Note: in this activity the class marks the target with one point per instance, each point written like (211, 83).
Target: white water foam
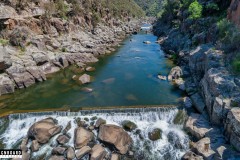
(172, 146)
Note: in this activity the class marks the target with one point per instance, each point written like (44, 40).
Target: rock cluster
(86, 142)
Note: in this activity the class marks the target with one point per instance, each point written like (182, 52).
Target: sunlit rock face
(234, 12)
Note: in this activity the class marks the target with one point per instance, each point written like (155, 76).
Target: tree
(195, 10)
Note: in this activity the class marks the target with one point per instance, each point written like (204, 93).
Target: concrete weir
(94, 110)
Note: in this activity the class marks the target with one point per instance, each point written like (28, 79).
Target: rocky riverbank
(32, 46)
(213, 90)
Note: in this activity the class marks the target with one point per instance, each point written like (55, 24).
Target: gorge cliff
(205, 45)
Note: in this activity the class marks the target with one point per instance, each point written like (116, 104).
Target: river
(125, 78)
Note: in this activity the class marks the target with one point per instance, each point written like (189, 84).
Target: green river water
(125, 78)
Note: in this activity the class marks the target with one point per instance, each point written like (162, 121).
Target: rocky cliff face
(234, 12)
(38, 43)
(211, 86)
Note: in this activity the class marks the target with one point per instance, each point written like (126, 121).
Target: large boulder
(35, 146)
(44, 130)
(226, 152)
(115, 156)
(83, 151)
(70, 153)
(26, 155)
(6, 84)
(23, 145)
(7, 12)
(218, 88)
(67, 128)
(59, 150)
(55, 157)
(85, 79)
(232, 127)
(191, 156)
(155, 134)
(98, 152)
(22, 78)
(203, 148)
(128, 125)
(37, 73)
(187, 102)
(175, 73)
(82, 137)
(83, 57)
(40, 58)
(116, 136)
(202, 59)
(197, 125)
(99, 122)
(49, 68)
(63, 139)
(198, 102)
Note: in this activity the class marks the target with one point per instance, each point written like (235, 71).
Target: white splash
(173, 145)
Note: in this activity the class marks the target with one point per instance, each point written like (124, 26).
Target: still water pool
(125, 78)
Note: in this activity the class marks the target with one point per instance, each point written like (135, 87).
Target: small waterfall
(172, 146)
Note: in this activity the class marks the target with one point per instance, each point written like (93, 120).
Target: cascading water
(172, 145)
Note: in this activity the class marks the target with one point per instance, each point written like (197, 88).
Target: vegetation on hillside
(195, 10)
(206, 22)
(152, 7)
(98, 8)
(117, 7)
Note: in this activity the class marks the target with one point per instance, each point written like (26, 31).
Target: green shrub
(76, 7)
(64, 49)
(195, 10)
(62, 8)
(3, 41)
(118, 8)
(229, 35)
(212, 6)
(95, 19)
(223, 26)
(236, 65)
(171, 10)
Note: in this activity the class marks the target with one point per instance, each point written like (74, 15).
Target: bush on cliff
(118, 8)
(212, 6)
(236, 65)
(61, 8)
(229, 35)
(152, 7)
(195, 10)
